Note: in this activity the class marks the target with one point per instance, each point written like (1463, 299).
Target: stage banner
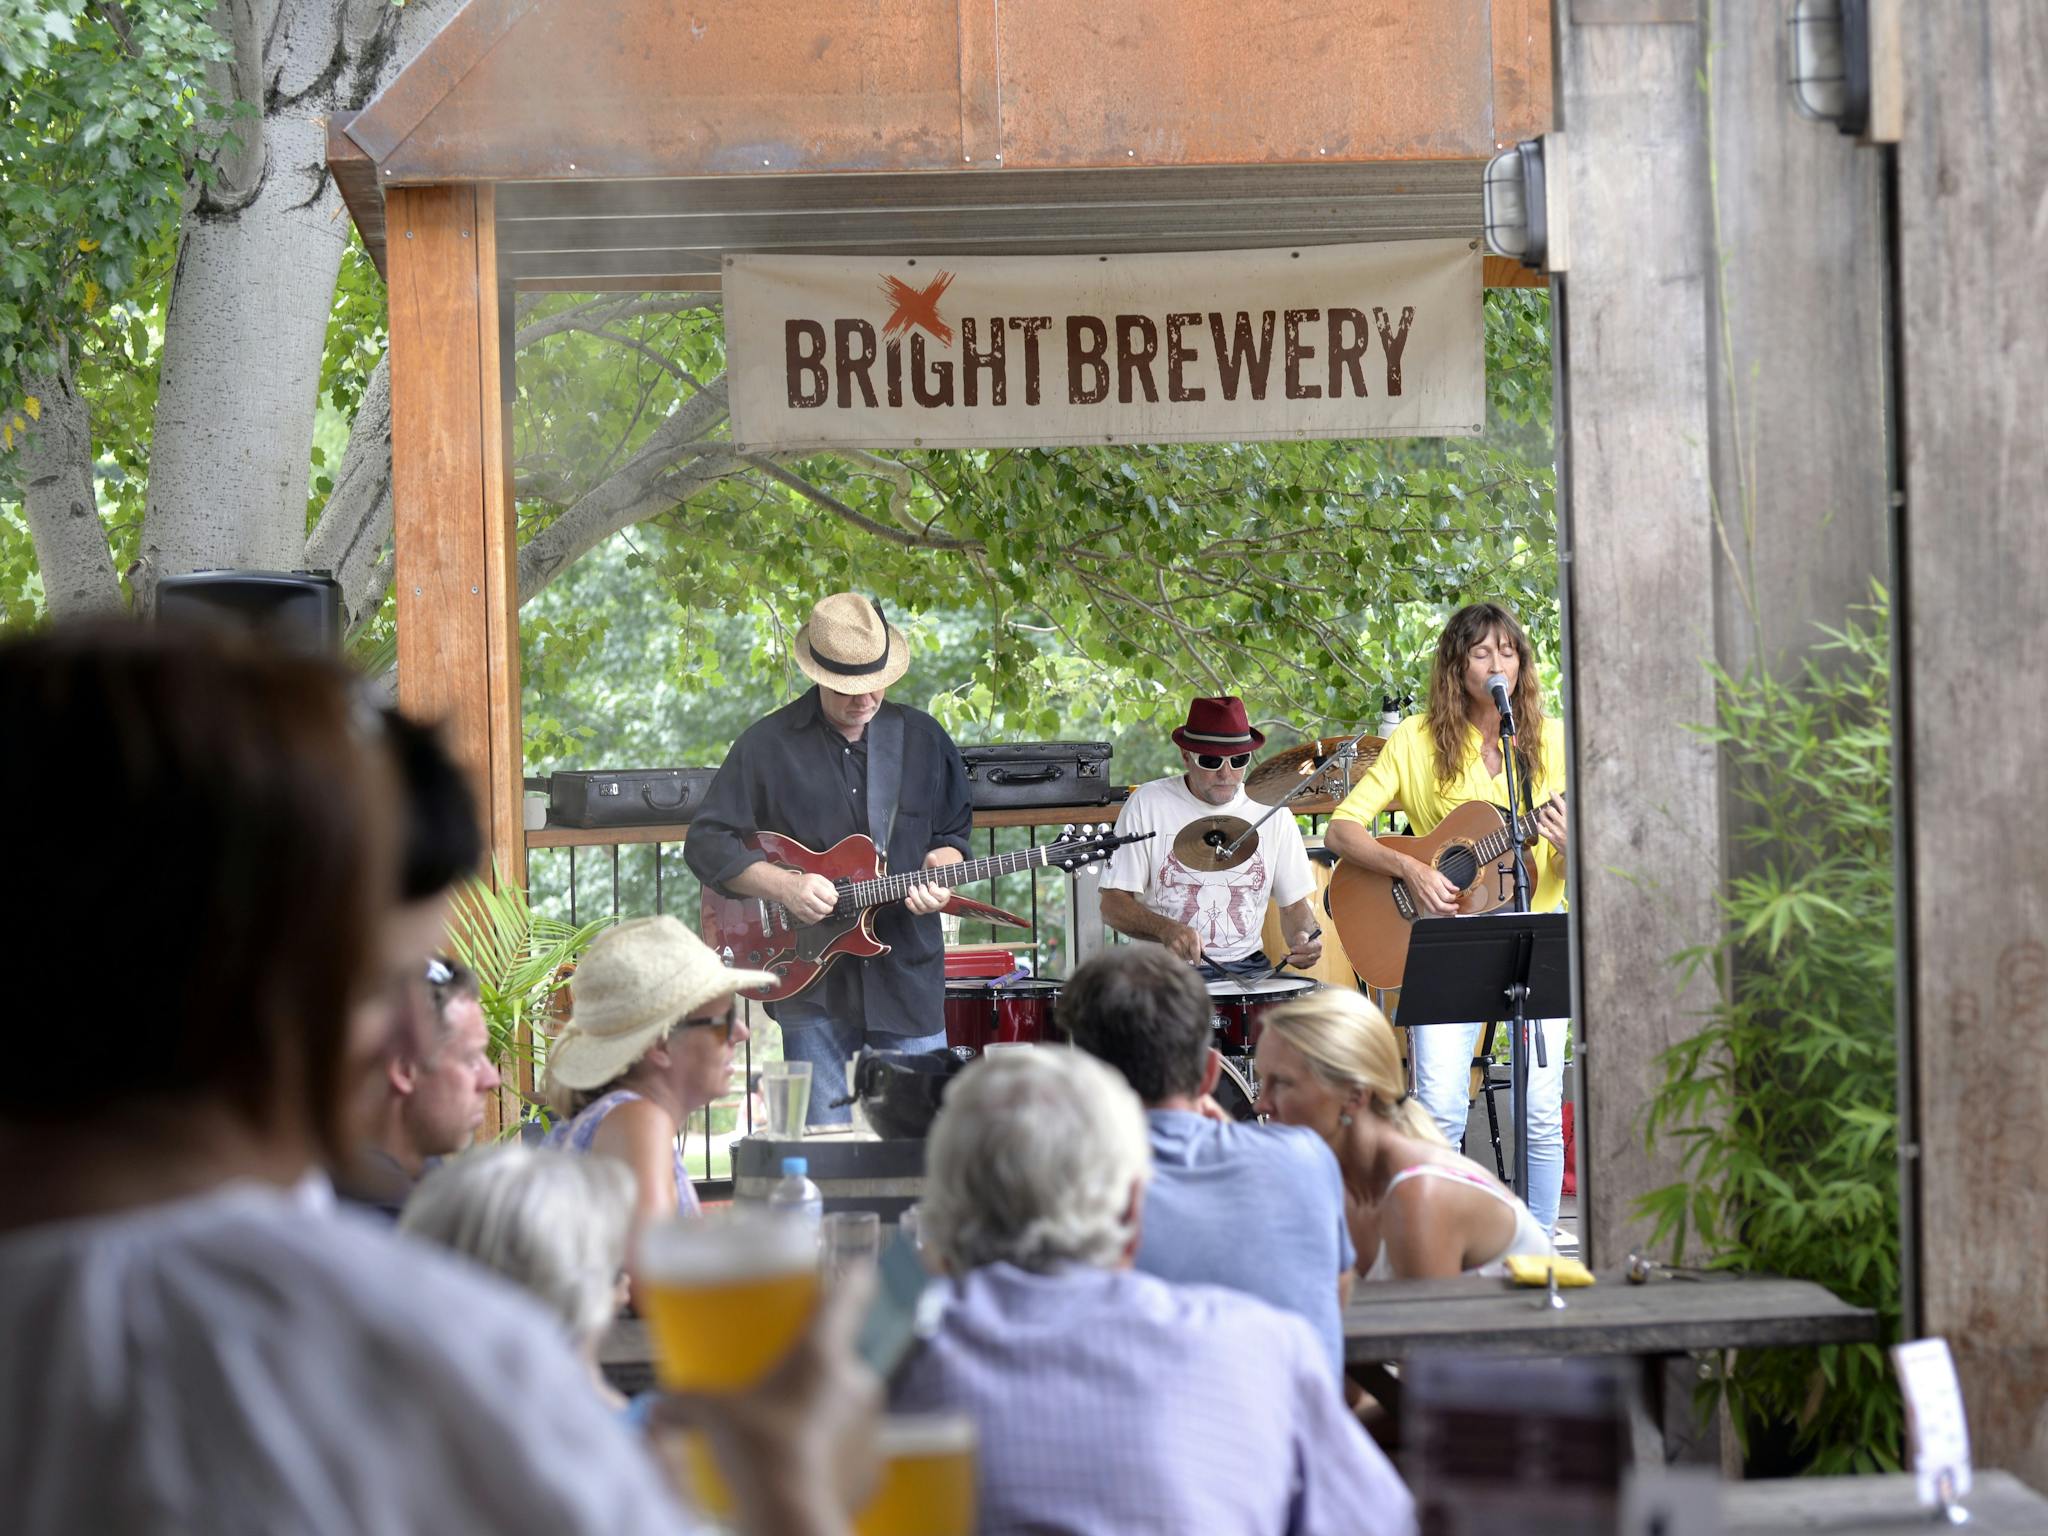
(1326, 341)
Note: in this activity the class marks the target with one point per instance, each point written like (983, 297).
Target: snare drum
(1236, 1003)
(982, 1013)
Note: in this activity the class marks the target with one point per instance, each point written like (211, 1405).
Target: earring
(1344, 1118)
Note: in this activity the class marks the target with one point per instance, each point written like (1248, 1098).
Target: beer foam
(926, 1434)
(703, 1250)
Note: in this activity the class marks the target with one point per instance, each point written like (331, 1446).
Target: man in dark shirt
(803, 772)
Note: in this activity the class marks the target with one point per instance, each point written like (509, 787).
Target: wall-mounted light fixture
(1846, 67)
(1523, 204)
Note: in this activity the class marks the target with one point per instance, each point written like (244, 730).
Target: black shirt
(795, 774)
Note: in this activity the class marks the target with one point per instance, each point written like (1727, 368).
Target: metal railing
(577, 873)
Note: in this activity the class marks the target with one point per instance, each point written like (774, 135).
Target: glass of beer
(927, 1485)
(725, 1297)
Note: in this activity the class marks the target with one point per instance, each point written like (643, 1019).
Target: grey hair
(1032, 1161)
(554, 1223)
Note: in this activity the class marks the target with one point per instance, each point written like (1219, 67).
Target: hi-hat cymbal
(1284, 773)
(1201, 843)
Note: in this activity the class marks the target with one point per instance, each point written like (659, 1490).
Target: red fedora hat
(1218, 725)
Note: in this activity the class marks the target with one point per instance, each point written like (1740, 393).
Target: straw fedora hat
(631, 987)
(849, 647)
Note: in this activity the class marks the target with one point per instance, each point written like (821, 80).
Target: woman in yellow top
(1433, 763)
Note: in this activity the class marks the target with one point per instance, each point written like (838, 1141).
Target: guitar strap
(885, 774)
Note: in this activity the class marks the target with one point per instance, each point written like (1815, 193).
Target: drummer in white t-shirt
(1213, 919)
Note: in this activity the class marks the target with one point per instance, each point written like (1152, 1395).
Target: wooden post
(456, 560)
(1635, 522)
(1972, 184)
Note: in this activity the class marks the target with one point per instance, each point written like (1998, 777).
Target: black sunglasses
(724, 1022)
(1212, 762)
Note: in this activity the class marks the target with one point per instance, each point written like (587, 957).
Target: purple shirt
(576, 1135)
(1110, 1403)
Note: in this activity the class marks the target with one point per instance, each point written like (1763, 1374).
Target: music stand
(1462, 969)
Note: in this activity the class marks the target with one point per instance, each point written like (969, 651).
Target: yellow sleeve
(1379, 787)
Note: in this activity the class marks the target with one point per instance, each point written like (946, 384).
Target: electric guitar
(1373, 912)
(761, 935)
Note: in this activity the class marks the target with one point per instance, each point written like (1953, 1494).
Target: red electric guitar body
(760, 935)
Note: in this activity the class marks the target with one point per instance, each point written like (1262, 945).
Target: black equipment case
(627, 797)
(1040, 773)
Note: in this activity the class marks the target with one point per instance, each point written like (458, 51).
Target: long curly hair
(1447, 719)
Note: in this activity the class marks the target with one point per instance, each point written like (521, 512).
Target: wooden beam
(1972, 181)
(458, 635)
(1636, 520)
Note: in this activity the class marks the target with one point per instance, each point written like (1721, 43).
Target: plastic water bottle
(795, 1195)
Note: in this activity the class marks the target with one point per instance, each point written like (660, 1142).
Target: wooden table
(626, 1356)
(1999, 1505)
(1669, 1317)
(1399, 1319)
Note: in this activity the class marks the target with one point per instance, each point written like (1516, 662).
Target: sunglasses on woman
(1212, 762)
(724, 1022)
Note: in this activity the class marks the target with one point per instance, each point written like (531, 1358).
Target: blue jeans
(809, 1033)
(1443, 1082)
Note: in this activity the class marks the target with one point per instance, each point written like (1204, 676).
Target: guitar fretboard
(858, 895)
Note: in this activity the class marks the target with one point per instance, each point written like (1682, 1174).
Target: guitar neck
(857, 895)
(887, 888)
(1495, 844)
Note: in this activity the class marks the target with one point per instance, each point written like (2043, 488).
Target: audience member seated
(192, 1343)
(1109, 1401)
(1329, 1061)
(428, 1100)
(1257, 1208)
(553, 1224)
(653, 1020)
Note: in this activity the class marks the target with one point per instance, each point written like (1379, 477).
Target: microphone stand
(1519, 1033)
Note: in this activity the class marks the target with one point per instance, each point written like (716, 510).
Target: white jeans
(1443, 1082)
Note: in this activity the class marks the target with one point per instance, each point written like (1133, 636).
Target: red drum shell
(981, 1013)
(1024, 1011)
(1236, 1007)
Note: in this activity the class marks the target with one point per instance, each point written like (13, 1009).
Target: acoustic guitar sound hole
(1458, 866)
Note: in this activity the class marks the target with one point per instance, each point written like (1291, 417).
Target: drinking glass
(786, 1090)
(724, 1296)
(850, 1239)
(927, 1485)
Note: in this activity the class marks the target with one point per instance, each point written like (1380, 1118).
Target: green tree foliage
(104, 122)
(1785, 1103)
(1091, 586)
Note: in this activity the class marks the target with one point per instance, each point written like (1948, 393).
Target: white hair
(552, 1222)
(1032, 1162)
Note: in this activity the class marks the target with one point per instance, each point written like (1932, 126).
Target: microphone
(1498, 687)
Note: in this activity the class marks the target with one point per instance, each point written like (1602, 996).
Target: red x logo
(916, 306)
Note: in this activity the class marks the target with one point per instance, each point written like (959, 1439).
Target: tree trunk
(257, 261)
(355, 525)
(63, 513)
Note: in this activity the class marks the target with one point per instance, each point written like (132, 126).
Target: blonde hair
(1348, 1043)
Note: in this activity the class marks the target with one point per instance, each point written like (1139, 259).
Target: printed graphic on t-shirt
(1224, 908)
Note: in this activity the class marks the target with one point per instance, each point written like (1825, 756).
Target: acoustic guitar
(1373, 912)
(760, 935)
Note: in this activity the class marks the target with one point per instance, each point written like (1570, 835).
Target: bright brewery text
(1306, 354)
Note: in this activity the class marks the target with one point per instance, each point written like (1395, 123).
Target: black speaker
(299, 610)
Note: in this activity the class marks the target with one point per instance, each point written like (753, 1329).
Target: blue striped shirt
(1110, 1403)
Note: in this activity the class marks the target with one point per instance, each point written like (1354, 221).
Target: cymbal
(1285, 772)
(1200, 843)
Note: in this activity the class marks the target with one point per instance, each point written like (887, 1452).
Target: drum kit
(1021, 1010)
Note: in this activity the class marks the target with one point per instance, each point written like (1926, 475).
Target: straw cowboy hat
(1218, 725)
(849, 647)
(631, 988)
